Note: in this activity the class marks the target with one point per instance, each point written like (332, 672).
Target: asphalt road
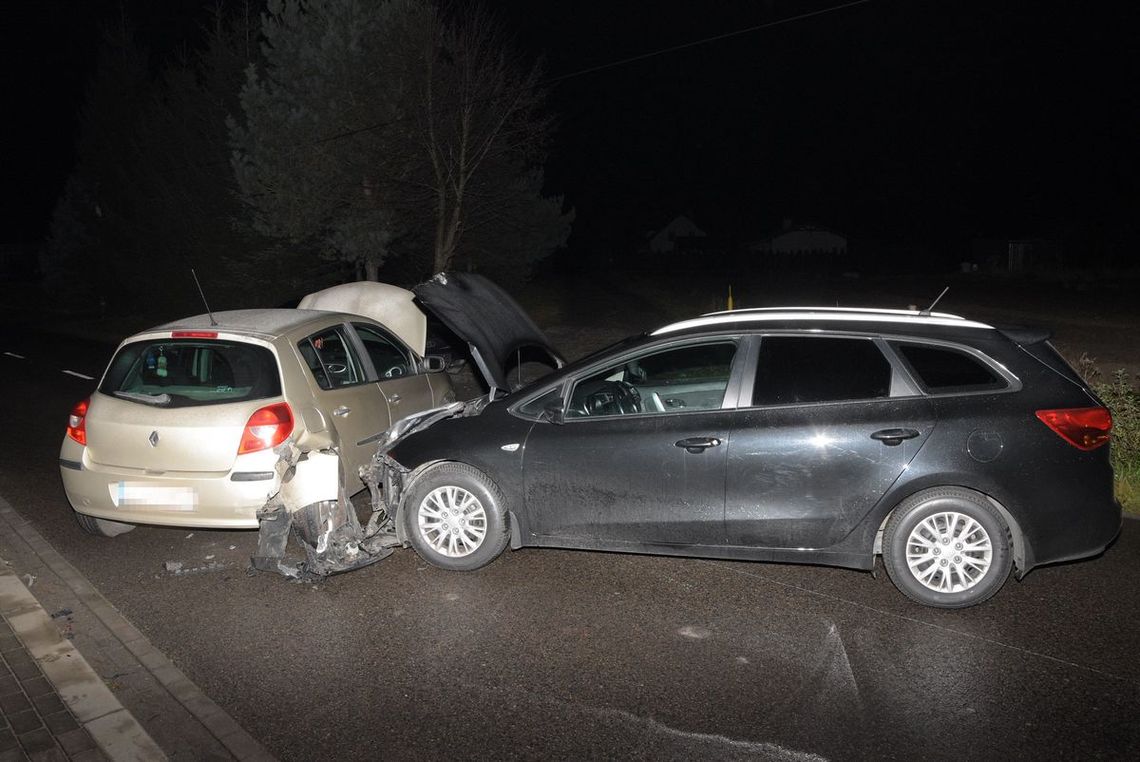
(571, 654)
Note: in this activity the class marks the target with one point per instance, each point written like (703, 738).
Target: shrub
(1121, 397)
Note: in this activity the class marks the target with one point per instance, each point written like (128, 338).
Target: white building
(801, 242)
(681, 229)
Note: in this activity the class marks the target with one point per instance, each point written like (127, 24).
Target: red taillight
(268, 427)
(194, 334)
(77, 422)
(1085, 428)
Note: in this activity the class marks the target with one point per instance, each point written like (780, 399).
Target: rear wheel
(102, 527)
(454, 517)
(947, 547)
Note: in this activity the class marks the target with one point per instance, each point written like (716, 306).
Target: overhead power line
(702, 41)
(623, 62)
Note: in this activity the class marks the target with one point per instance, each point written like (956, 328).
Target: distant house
(799, 247)
(681, 234)
(1014, 255)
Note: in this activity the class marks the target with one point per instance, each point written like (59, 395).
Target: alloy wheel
(452, 521)
(949, 552)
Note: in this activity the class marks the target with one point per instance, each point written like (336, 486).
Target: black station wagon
(956, 450)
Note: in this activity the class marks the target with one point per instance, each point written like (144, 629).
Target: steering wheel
(613, 398)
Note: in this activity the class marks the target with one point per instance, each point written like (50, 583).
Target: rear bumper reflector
(74, 465)
(251, 476)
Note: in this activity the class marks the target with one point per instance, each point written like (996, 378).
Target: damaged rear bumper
(312, 506)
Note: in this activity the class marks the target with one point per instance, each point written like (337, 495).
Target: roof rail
(861, 310)
(820, 314)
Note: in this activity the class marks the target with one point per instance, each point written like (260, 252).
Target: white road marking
(693, 633)
(13, 354)
(79, 375)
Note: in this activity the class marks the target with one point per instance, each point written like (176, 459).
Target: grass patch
(1121, 397)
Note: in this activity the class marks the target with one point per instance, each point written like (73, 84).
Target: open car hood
(389, 305)
(497, 330)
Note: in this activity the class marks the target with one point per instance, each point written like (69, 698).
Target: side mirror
(434, 363)
(552, 413)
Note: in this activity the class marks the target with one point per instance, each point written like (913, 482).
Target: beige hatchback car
(183, 428)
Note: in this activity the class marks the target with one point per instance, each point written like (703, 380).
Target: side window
(942, 370)
(536, 407)
(331, 358)
(672, 380)
(388, 358)
(805, 369)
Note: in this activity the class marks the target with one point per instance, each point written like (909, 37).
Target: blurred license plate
(128, 494)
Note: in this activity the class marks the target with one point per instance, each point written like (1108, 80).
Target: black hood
(488, 319)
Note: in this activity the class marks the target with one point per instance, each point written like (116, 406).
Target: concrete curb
(213, 718)
(112, 727)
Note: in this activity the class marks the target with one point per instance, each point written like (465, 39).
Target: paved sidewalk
(74, 684)
(55, 706)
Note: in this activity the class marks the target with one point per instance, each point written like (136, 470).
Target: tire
(101, 527)
(947, 547)
(465, 494)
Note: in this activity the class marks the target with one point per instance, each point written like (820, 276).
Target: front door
(640, 457)
(405, 388)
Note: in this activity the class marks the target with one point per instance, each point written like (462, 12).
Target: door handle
(697, 445)
(394, 399)
(894, 437)
(342, 411)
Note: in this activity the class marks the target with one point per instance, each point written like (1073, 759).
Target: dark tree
(152, 194)
(375, 131)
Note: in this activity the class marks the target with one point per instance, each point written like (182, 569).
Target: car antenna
(203, 295)
(926, 311)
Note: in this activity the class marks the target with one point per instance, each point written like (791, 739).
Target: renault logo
(153, 439)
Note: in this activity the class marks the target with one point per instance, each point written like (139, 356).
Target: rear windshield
(187, 372)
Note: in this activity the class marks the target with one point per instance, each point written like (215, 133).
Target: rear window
(942, 370)
(184, 373)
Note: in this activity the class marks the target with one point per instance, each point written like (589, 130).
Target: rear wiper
(148, 399)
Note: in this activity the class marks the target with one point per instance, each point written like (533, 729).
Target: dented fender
(312, 477)
(313, 506)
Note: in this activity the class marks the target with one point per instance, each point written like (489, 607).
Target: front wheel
(454, 517)
(947, 547)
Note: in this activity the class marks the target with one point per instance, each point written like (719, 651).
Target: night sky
(890, 120)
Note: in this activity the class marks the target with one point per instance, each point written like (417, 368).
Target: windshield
(183, 373)
(561, 373)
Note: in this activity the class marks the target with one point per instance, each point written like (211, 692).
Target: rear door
(347, 394)
(831, 425)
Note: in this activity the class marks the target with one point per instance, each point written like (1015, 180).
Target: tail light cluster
(268, 427)
(1085, 428)
(77, 422)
